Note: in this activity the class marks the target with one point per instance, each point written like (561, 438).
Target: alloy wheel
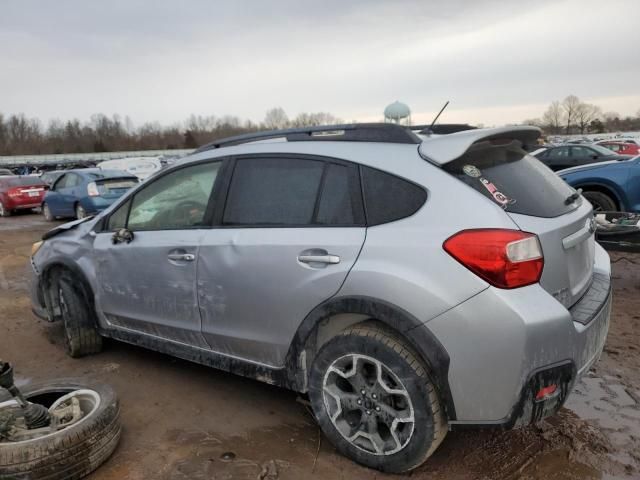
(368, 404)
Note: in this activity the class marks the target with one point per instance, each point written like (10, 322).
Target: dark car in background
(4, 172)
(20, 193)
(51, 176)
(87, 191)
(568, 156)
(609, 186)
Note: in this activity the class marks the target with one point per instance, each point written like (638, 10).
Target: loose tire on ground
(71, 453)
(371, 340)
(80, 325)
(601, 201)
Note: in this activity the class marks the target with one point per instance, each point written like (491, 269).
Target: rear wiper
(573, 197)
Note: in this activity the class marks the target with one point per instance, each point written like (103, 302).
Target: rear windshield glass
(23, 181)
(507, 175)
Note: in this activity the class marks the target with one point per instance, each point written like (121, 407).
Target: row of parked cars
(609, 179)
(76, 192)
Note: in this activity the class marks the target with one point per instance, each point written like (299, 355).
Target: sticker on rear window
(472, 171)
(497, 195)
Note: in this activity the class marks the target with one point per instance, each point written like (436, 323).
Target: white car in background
(141, 167)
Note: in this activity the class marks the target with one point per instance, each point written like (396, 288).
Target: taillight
(92, 190)
(15, 192)
(504, 258)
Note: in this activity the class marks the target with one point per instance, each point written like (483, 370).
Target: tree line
(573, 116)
(21, 135)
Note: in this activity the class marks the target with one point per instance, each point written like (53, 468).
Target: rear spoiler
(123, 177)
(444, 149)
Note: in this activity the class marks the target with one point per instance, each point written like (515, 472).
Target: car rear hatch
(539, 202)
(115, 187)
(24, 191)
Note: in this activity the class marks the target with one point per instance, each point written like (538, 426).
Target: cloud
(162, 60)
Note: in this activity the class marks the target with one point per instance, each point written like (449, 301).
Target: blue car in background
(86, 191)
(609, 186)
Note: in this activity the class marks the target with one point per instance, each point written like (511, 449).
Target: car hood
(66, 227)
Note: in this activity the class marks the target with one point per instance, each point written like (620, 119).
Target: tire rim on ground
(368, 404)
(83, 402)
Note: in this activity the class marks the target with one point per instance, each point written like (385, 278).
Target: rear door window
(388, 198)
(290, 192)
(273, 191)
(516, 181)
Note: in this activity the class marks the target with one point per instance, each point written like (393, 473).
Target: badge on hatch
(472, 171)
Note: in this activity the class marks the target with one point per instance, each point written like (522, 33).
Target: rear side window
(388, 198)
(518, 182)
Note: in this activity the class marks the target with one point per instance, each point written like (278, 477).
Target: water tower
(397, 112)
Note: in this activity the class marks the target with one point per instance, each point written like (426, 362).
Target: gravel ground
(184, 421)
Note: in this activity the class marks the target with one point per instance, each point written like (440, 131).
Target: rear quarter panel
(404, 263)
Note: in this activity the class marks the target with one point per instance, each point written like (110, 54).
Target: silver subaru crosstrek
(410, 282)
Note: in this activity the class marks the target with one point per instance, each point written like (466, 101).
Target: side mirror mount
(595, 157)
(122, 235)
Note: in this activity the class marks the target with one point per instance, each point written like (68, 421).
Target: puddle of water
(614, 408)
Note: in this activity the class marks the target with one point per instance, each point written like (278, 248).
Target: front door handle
(181, 257)
(330, 259)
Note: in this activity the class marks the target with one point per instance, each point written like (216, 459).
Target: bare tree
(570, 105)
(553, 117)
(585, 113)
(276, 119)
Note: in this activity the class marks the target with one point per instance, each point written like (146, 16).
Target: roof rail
(442, 128)
(353, 132)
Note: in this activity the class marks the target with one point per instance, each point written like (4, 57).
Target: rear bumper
(505, 345)
(94, 205)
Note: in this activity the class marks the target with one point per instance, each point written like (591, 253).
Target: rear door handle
(181, 257)
(330, 259)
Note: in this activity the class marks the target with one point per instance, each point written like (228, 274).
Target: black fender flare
(413, 330)
(75, 270)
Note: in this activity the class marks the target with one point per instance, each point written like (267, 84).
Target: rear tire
(46, 212)
(80, 212)
(3, 211)
(601, 201)
(80, 323)
(71, 453)
(398, 422)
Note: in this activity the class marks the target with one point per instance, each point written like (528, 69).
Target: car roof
(438, 149)
(100, 173)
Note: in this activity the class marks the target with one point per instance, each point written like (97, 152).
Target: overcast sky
(156, 60)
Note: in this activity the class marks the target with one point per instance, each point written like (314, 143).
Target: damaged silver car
(410, 282)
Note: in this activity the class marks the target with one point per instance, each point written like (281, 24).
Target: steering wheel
(188, 212)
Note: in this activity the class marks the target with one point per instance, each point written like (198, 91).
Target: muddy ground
(184, 421)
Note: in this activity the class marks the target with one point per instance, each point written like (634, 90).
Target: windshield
(602, 150)
(24, 181)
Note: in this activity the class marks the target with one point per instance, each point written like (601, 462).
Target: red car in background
(20, 193)
(623, 148)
